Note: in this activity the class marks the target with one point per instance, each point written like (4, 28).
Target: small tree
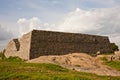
(114, 47)
(2, 56)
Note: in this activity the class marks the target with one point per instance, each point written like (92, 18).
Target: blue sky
(64, 15)
(46, 9)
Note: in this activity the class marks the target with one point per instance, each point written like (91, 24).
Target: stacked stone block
(41, 43)
(59, 43)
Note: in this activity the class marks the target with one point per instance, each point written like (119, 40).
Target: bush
(2, 56)
(114, 47)
(14, 59)
(10, 59)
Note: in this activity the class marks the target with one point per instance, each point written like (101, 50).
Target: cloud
(4, 34)
(100, 21)
(26, 25)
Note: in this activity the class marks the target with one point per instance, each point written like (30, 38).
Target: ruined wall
(56, 43)
(39, 43)
(11, 48)
(19, 47)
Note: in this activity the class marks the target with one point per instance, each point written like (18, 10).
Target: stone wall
(39, 43)
(19, 47)
(58, 43)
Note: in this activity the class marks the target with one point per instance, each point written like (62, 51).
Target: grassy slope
(113, 64)
(15, 69)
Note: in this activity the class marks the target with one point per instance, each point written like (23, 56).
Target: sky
(97, 17)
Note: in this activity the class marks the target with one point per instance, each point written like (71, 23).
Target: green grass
(34, 71)
(113, 64)
(14, 68)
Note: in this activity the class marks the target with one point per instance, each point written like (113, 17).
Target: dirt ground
(80, 62)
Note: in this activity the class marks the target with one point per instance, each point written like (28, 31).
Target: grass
(34, 71)
(14, 68)
(113, 64)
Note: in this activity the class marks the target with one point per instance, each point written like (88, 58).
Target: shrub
(14, 59)
(2, 56)
(114, 47)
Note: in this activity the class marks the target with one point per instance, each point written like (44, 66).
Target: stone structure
(39, 43)
(19, 47)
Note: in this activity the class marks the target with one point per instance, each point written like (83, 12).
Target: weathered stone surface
(38, 43)
(79, 62)
(19, 47)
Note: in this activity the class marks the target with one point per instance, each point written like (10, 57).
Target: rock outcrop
(80, 62)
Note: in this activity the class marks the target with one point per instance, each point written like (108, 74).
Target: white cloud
(92, 20)
(102, 21)
(26, 25)
(30, 24)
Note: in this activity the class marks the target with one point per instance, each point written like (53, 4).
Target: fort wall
(40, 43)
(59, 43)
